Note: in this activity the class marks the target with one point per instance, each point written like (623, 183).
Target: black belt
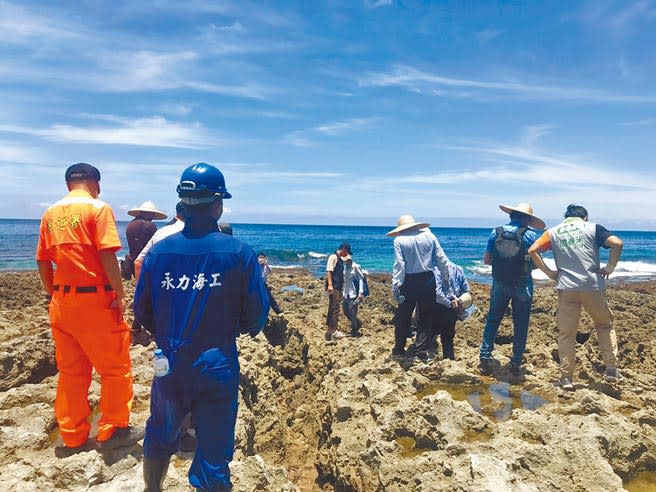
(80, 289)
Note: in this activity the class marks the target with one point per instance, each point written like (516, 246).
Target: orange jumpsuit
(87, 333)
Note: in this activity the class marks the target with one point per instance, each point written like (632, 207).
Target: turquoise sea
(308, 246)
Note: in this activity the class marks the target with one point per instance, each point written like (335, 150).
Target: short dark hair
(225, 228)
(576, 211)
(261, 253)
(82, 172)
(347, 247)
(515, 215)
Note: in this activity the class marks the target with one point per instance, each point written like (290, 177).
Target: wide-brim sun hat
(405, 223)
(526, 209)
(466, 299)
(149, 208)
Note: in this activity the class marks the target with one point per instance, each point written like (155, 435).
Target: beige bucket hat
(405, 223)
(526, 209)
(148, 207)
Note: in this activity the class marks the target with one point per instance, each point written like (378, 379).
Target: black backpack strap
(520, 231)
(500, 230)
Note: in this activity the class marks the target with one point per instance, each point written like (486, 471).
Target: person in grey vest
(580, 280)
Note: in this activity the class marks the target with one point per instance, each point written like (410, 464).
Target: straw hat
(466, 299)
(526, 209)
(150, 208)
(405, 223)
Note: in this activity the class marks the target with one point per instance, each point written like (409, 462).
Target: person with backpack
(507, 252)
(334, 286)
(353, 293)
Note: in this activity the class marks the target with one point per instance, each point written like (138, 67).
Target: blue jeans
(521, 296)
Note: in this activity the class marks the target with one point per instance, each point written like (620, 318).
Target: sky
(336, 112)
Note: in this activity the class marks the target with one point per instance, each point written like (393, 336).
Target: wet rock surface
(341, 416)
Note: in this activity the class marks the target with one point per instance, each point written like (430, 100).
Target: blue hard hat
(201, 183)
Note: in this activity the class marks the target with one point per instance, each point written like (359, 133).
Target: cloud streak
(416, 80)
(149, 132)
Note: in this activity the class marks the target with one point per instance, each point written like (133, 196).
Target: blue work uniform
(199, 289)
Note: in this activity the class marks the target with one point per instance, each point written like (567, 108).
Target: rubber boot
(154, 472)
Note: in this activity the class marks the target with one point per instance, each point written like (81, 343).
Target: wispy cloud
(523, 164)
(151, 132)
(426, 82)
(615, 18)
(340, 127)
(533, 132)
(487, 35)
(374, 4)
(18, 25)
(642, 122)
(297, 139)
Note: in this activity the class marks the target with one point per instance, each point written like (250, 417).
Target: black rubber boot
(154, 472)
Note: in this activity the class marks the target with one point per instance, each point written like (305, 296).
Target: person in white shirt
(416, 252)
(353, 293)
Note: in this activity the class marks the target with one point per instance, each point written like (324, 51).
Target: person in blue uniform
(198, 291)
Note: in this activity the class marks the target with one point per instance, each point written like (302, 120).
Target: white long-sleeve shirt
(160, 234)
(416, 251)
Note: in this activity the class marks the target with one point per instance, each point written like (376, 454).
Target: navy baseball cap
(347, 247)
(82, 172)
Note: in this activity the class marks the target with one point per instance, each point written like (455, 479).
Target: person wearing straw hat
(138, 233)
(580, 280)
(416, 253)
(450, 307)
(507, 252)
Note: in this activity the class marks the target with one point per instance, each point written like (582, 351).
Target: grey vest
(576, 253)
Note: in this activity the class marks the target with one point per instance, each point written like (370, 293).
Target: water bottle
(160, 363)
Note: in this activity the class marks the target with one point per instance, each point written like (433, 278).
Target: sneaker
(123, 437)
(613, 375)
(515, 369)
(485, 367)
(335, 335)
(566, 383)
(355, 334)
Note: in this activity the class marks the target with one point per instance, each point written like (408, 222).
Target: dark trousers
(444, 326)
(272, 302)
(332, 318)
(418, 289)
(350, 307)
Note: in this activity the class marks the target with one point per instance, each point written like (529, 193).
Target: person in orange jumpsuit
(78, 234)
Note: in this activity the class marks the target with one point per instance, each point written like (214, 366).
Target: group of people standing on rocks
(425, 282)
(199, 288)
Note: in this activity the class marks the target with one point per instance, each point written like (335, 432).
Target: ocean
(308, 246)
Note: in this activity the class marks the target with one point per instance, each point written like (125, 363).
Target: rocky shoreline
(340, 416)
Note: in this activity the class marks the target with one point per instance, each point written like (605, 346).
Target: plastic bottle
(160, 363)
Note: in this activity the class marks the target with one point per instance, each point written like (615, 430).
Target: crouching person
(198, 290)
(450, 306)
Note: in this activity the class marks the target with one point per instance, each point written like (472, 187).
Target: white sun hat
(406, 222)
(149, 208)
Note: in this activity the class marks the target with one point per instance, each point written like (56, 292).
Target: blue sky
(343, 112)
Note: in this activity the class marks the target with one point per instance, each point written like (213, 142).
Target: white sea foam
(625, 269)
(286, 267)
(312, 254)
